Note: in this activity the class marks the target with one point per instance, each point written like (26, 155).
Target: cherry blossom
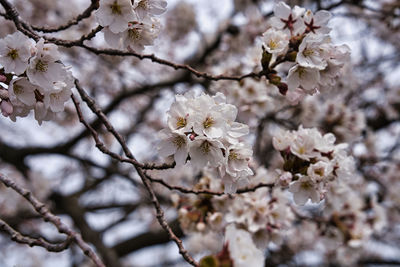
(44, 69)
(15, 51)
(212, 135)
(275, 42)
(306, 78)
(287, 18)
(146, 8)
(316, 23)
(203, 150)
(241, 248)
(310, 53)
(305, 189)
(174, 144)
(116, 14)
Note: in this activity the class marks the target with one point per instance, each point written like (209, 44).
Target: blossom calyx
(265, 59)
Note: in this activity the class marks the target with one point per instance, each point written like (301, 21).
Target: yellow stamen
(18, 89)
(233, 156)
(208, 122)
(272, 44)
(181, 122)
(41, 66)
(205, 147)
(115, 8)
(179, 141)
(13, 54)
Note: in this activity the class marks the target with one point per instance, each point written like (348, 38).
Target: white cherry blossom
(57, 99)
(316, 23)
(203, 151)
(304, 189)
(237, 157)
(180, 115)
(116, 14)
(286, 18)
(306, 78)
(15, 51)
(311, 54)
(212, 136)
(336, 57)
(275, 42)
(303, 147)
(176, 144)
(320, 170)
(210, 123)
(138, 35)
(282, 140)
(145, 8)
(242, 249)
(44, 69)
(22, 91)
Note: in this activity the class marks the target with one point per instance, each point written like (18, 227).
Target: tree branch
(146, 182)
(30, 241)
(85, 14)
(48, 216)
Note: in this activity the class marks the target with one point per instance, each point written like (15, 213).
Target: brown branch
(70, 205)
(27, 30)
(100, 145)
(378, 262)
(12, 14)
(146, 182)
(205, 191)
(48, 216)
(85, 14)
(176, 66)
(30, 241)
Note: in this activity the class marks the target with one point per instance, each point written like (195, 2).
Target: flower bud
(291, 56)
(274, 79)
(283, 88)
(265, 59)
(6, 108)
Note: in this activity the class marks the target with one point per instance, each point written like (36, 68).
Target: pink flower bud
(6, 108)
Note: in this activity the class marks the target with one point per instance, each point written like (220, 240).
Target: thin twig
(159, 212)
(100, 145)
(56, 221)
(85, 14)
(30, 241)
(205, 191)
(12, 14)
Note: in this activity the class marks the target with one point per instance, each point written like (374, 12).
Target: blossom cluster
(36, 78)
(130, 26)
(334, 116)
(311, 162)
(251, 96)
(203, 128)
(356, 215)
(259, 218)
(348, 222)
(302, 37)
